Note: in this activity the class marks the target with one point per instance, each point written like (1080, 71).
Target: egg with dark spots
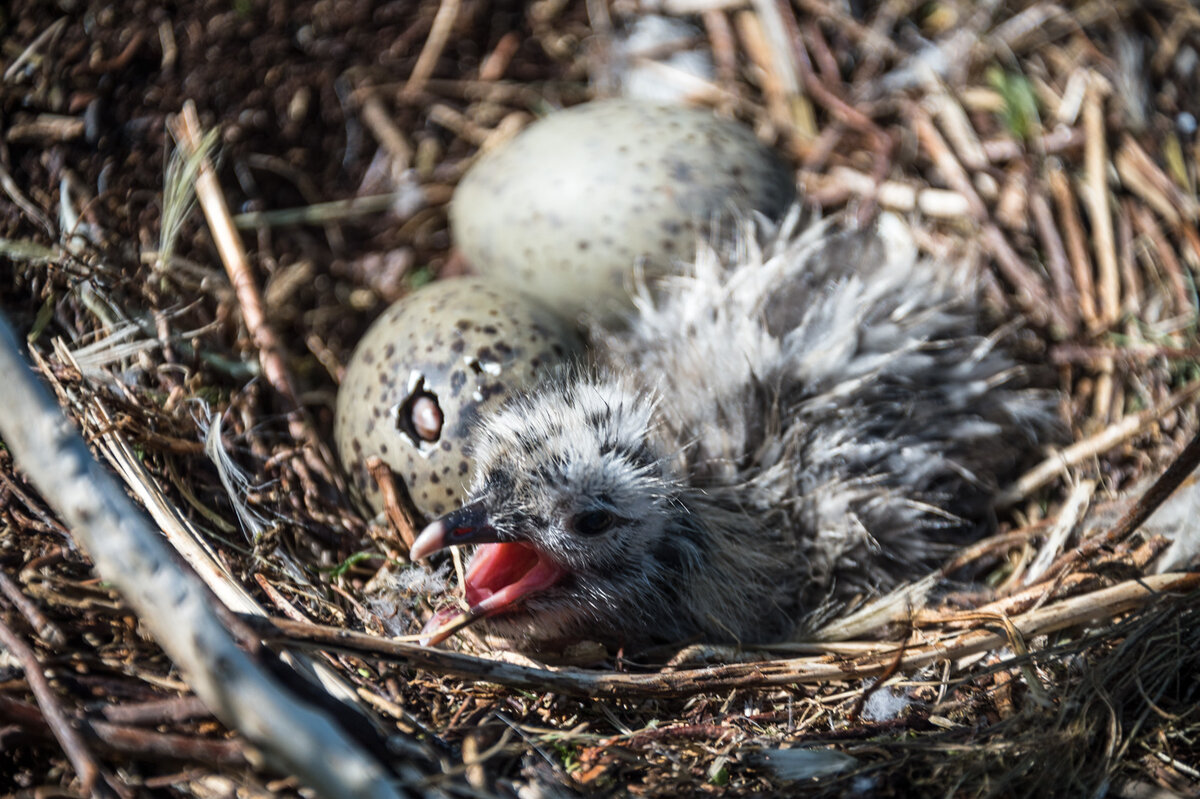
(428, 369)
(569, 208)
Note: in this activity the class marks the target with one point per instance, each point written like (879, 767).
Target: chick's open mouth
(499, 576)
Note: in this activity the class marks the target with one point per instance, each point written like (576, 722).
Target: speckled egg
(568, 208)
(427, 369)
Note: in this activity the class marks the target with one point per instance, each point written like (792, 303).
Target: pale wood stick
(1097, 196)
(271, 353)
(130, 555)
(435, 42)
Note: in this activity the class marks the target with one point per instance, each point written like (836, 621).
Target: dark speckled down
(567, 208)
(464, 345)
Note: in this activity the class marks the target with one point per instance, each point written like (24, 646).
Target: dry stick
(27, 54)
(493, 65)
(758, 48)
(271, 354)
(852, 117)
(157, 711)
(1141, 175)
(1030, 289)
(1101, 605)
(1081, 265)
(1057, 265)
(18, 197)
(1056, 141)
(1148, 227)
(172, 603)
(389, 136)
(1094, 445)
(1095, 155)
(77, 751)
(957, 128)
(133, 740)
(397, 504)
(439, 33)
(1141, 510)
(724, 50)
(47, 630)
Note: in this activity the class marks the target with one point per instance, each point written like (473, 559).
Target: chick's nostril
(426, 417)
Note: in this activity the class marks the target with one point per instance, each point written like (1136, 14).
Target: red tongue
(499, 575)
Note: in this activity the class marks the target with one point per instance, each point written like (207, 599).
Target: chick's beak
(467, 525)
(502, 572)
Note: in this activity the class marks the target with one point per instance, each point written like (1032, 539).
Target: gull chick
(768, 434)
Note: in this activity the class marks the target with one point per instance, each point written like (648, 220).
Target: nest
(200, 355)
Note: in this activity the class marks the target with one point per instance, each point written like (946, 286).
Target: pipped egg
(427, 369)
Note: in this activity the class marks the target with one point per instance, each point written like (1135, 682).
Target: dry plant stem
(1141, 510)
(1148, 227)
(849, 116)
(18, 197)
(1031, 292)
(397, 505)
(47, 630)
(1056, 259)
(1081, 265)
(1092, 446)
(390, 137)
(128, 740)
(1096, 168)
(493, 65)
(85, 765)
(1098, 606)
(159, 711)
(439, 33)
(755, 43)
(186, 128)
(173, 604)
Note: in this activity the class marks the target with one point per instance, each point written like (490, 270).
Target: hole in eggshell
(420, 416)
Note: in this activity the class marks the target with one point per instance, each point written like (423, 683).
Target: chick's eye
(592, 522)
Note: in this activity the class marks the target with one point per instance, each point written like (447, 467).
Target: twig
(18, 197)
(1094, 445)
(397, 504)
(159, 711)
(390, 137)
(1143, 177)
(321, 213)
(82, 760)
(271, 353)
(1057, 265)
(1097, 606)
(1081, 265)
(443, 21)
(47, 630)
(21, 60)
(1141, 510)
(45, 128)
(1096, 169)
(135, 741)
(493, 65)
(1147, 226)
(1029, 287)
